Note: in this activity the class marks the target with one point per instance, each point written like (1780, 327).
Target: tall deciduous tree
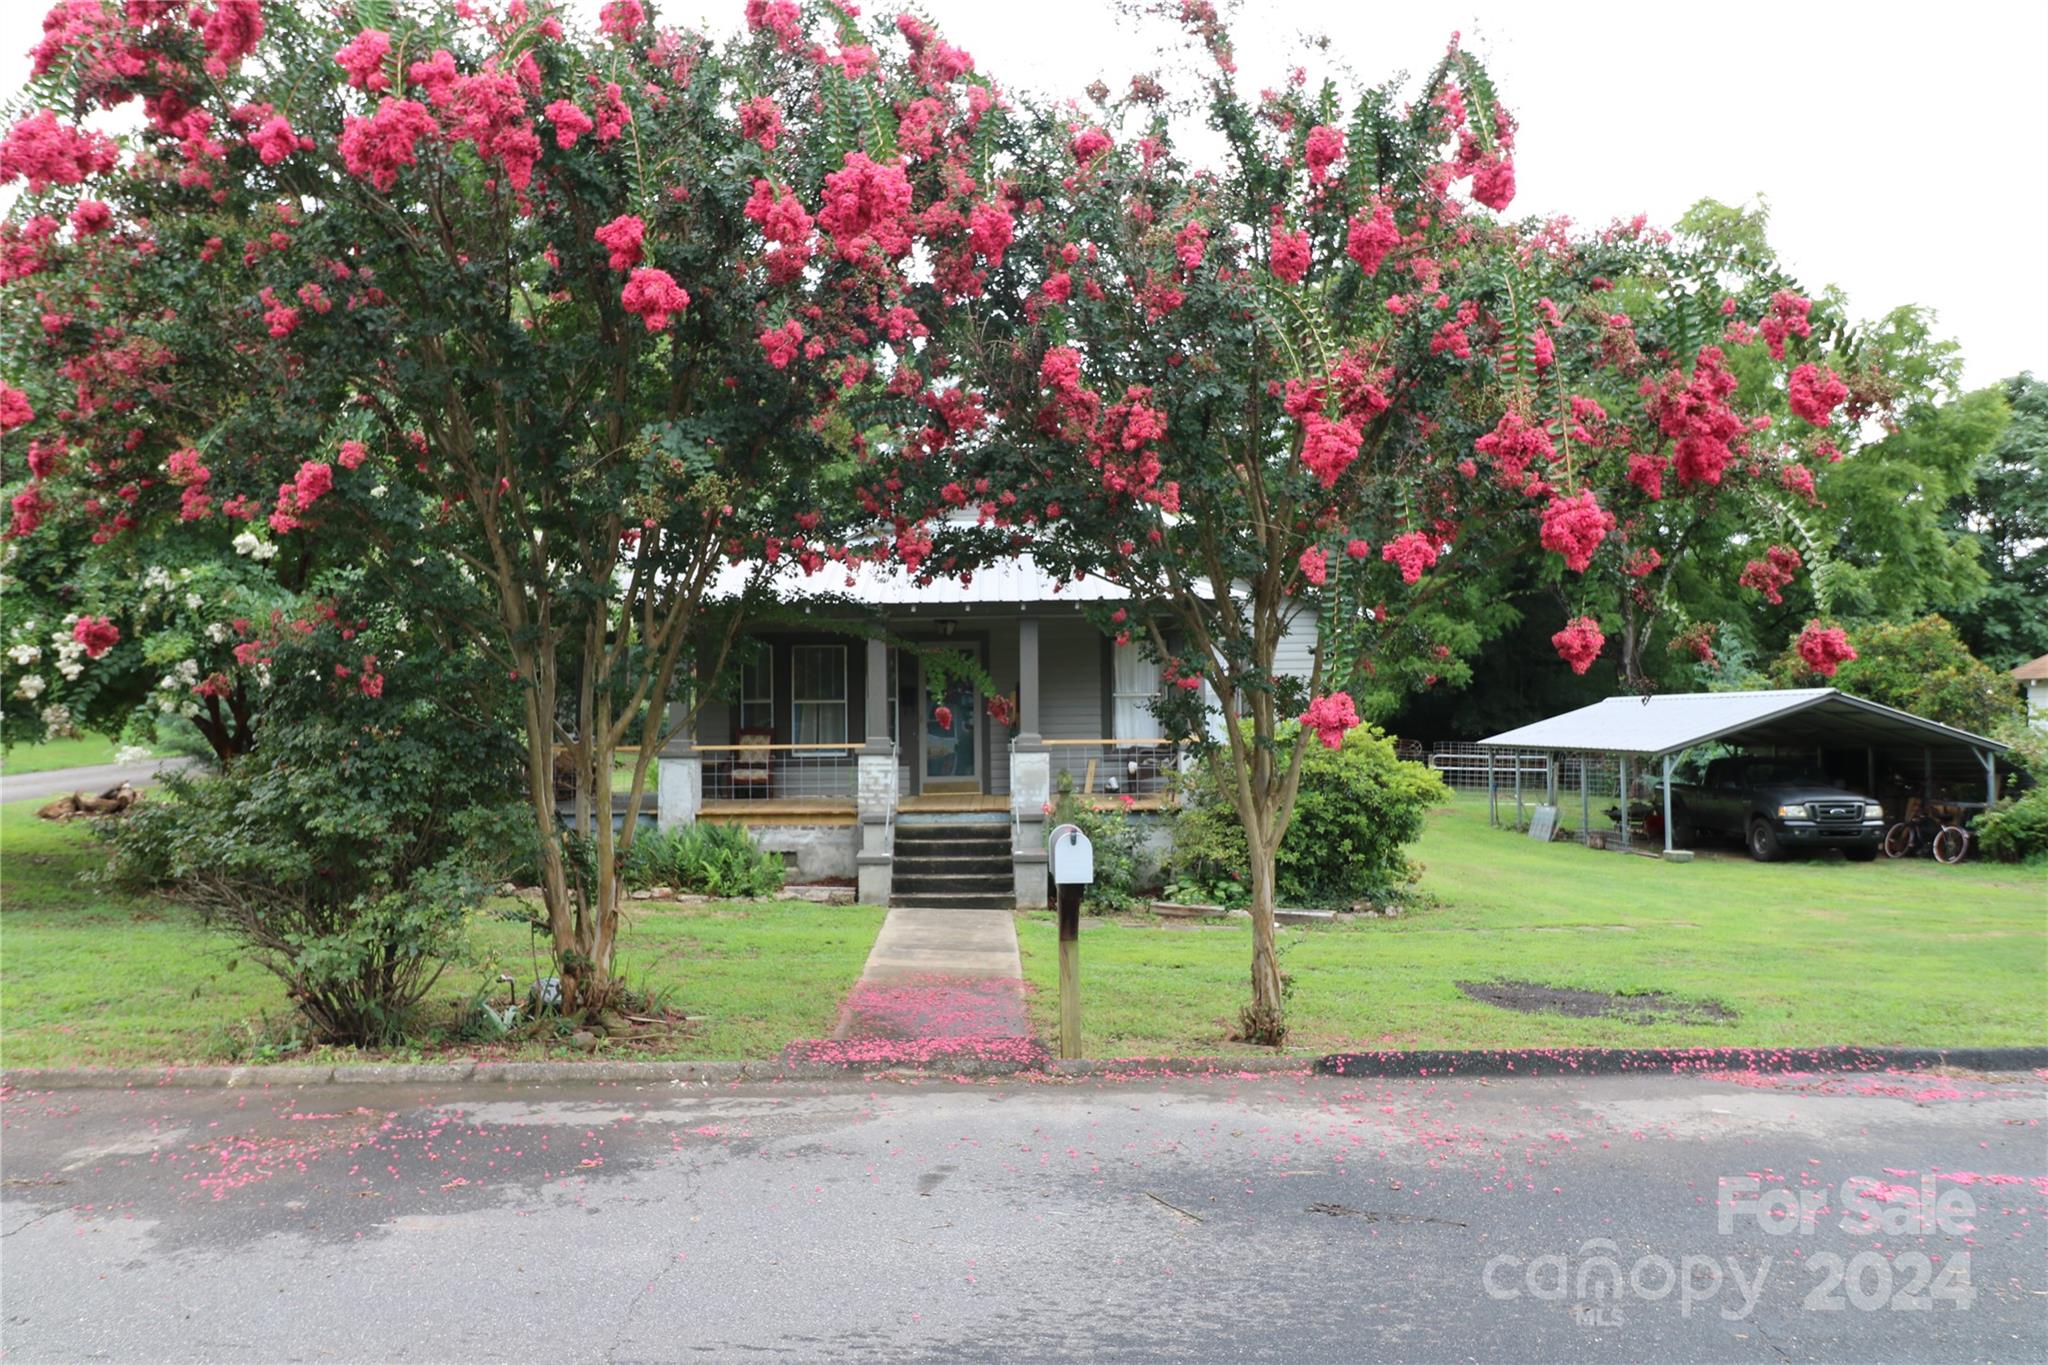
(552, 324)
(2005, 509)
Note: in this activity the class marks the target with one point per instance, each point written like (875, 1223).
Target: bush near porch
(1801, 953)
(93, 977)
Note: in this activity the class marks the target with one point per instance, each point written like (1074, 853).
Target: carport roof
(1658, 725)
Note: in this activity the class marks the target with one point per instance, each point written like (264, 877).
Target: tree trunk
(1265, 1019)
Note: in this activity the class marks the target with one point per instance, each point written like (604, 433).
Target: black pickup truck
(1775, 805)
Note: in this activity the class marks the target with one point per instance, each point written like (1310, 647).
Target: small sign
(1072, 856)
(1543, 824)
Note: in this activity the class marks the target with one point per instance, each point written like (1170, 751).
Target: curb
(671, 1073)
(1524, 1064)
(1610, 1061)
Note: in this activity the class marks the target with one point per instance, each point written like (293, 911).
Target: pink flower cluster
(1815, 393)
(1315, 565)
(782, 344)
(652, 295)
(274, 140)
(97, 634)
(786, 226)
(1574, 527)
(1579, 643)
(1493, 182)
(363, 57)
(374, 148)
(761, 121)
(44, 152)
(622, 237)
(1368, 240)
(1413, 552)
(1089, 143)
(1696, 414)
(1788, 317)
(1328, 448)
(1824, 648)
(1324, 149)
(1771, 574)
(1331, 717)
(313, 482)
(1290, 252)
(14, 408)
(230, 32)
(867, 205)
(570, 122)
(1514, 443)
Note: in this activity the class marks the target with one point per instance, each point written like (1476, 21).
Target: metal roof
(887, 585)
(1657, 725)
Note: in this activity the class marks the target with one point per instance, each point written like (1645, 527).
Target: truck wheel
(1763, 842)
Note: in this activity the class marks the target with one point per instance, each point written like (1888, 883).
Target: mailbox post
(1071, 860)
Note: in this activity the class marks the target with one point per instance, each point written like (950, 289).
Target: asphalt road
(97, 778)
(1251, 1218)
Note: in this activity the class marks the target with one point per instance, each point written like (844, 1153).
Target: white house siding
(1296, 654)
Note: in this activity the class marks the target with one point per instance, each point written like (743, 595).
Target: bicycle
(1927, 829)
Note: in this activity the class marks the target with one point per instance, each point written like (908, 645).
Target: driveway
(1285, 1218)
(97, 778)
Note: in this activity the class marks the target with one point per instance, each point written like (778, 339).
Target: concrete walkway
(95, 779)
(938, 983)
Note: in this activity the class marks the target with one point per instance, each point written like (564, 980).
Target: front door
(949, 732)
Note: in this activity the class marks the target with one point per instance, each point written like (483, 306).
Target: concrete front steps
(952, 864)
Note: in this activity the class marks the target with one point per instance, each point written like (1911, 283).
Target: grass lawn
(90, 977)
(1801, 953)
(82, 752)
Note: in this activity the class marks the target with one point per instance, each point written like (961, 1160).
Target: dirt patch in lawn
(1528, 997)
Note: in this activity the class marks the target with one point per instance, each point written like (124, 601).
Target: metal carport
(1657, 728)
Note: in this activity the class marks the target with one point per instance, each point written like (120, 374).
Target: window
(817, 693)
(1134, 685)
(757, 688)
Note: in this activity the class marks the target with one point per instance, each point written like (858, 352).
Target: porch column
(874, 792)
(1667, 805)
(1030, 776)
(679, 781)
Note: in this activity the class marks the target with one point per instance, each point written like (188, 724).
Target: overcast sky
(1899, 155)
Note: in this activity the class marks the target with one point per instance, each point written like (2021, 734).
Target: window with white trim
(1134, 686)
(817, 694)
(757, 687)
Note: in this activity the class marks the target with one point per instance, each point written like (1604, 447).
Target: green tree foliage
(1358, 808)
(1919, 666)
(2004, 508)
(347, 852)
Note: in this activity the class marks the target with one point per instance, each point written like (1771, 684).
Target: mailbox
(1071, 857)
(1070, 860)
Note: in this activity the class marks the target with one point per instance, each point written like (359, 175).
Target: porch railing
(1145, 770)
(779, 772)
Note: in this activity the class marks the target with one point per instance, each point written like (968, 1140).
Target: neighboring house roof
(2035, 670)
(887, 585)
(1654, 726)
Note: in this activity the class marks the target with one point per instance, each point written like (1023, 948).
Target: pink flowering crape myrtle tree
(1676, 407)
(546, 326)
(1242, 396)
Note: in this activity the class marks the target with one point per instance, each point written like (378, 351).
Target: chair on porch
(753, 764)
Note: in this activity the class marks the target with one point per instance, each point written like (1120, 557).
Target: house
(843, 748)
(2032, 677)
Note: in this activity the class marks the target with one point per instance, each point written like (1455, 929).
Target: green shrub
(346, 853)
(714, 860)
(1357, 808)
(2017, 830)
(1117, 843)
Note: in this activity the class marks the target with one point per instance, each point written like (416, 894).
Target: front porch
(835, 738)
